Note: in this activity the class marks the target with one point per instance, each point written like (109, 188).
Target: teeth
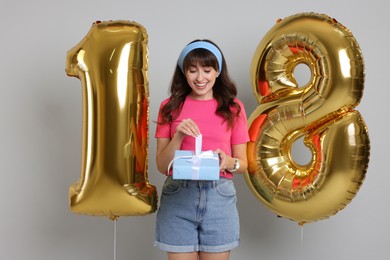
(201, 85)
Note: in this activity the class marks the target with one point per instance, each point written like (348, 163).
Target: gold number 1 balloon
(111, 62)
(322, 112)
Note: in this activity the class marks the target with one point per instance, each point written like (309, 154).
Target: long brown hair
(224, 89)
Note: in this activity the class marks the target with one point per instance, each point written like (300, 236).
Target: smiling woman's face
(201, 79)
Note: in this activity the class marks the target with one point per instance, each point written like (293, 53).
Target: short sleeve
(162, 130)
(240, 132)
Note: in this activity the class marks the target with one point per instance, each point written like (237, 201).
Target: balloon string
(302, 237)
(115, 239)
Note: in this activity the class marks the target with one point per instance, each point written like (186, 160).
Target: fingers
(188, 127)
(223, 159)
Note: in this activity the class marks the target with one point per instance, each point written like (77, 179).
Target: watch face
(236, 164)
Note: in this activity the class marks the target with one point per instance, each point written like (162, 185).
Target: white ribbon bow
(196, 159)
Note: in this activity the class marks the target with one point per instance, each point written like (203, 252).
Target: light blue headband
(200, 45)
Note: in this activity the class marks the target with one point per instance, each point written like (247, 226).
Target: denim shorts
(197, 216)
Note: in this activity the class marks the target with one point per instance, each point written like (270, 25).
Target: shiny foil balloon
(111, 63)
(322, 112)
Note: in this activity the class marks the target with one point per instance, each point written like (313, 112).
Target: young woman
(198, 219)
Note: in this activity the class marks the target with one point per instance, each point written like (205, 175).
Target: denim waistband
(201, 183)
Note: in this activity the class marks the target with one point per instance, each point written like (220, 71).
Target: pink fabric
(215, 133)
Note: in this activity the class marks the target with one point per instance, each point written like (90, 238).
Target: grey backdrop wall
(40, 132)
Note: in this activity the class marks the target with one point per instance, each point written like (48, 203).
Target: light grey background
(40, 132)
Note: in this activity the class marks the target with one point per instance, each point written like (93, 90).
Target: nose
(200, 76)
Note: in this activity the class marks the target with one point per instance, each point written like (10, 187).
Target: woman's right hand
(188, 127)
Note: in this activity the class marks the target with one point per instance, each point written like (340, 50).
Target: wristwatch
(236, 165)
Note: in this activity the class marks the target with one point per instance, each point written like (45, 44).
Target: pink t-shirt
(214, 130)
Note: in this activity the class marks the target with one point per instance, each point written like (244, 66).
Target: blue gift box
(188, 166)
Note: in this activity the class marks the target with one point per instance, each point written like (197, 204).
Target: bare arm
(166, 147)
(165, 151)
(239, 152)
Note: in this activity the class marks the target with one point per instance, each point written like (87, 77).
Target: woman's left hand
(224, 159)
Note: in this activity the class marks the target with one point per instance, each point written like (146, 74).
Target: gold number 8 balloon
(111, 62)
(322, 112)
